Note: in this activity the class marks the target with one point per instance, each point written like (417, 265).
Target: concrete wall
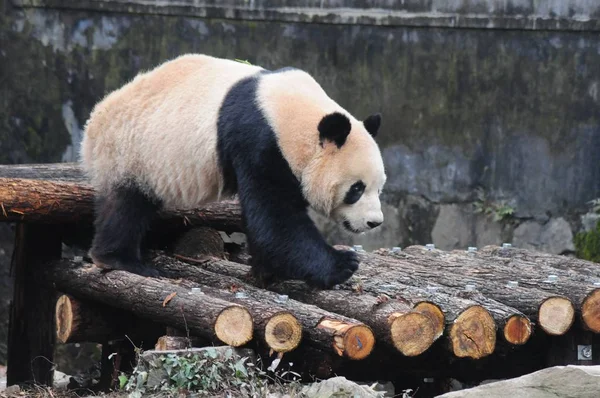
(489, 104)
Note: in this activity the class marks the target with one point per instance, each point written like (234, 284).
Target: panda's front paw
(344, 264)
(346, 260)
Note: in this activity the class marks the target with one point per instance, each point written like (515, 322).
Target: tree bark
(441, 303)
(578, 279)
(575, 268)
(158, 300)
(276, 326)
(79, 321)
(65, 172)
(555, 314)
(348, 337)
(383, 306)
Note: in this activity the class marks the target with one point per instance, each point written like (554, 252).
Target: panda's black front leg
(285, 243)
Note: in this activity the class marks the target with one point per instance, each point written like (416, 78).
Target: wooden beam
(60, 202)
(31, 333)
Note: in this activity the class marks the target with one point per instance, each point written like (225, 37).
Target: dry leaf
(169, 298)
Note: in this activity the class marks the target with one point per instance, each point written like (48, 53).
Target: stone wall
(489, 135)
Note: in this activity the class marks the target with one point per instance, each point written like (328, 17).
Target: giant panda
(198, 129)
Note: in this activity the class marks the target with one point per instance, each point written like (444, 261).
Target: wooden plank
(31, 333)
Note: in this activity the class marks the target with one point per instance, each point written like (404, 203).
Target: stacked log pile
(474, 302)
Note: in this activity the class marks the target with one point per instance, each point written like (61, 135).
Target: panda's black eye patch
(354, 193)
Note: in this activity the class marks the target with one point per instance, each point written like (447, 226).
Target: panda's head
(344, 179)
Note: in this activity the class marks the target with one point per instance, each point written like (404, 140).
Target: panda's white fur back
(167, 114)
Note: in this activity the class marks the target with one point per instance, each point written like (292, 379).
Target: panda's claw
(347, 260)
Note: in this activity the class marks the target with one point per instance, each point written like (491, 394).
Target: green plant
(243, 61)
(500, 211)
(587, 244)
(595, 205)
(203, 373)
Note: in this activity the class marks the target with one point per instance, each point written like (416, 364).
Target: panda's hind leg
(123, 216)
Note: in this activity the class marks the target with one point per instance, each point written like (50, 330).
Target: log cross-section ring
(233, 325)
(590, 311)
(517, 330)
(353, 341)
(283, 332)
(473, 333)
(556, 315)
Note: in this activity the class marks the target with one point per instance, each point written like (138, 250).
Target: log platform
(407, 306)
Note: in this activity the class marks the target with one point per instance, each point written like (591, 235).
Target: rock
(558, 381)
(12, 390)
(452, 229)
(237, 238)
(458, 227)
(61, 380)
(554, 237)
(340, 387)
(489, 232)
(387, 388)
(455, 385)
(437, 172)
(589, 221)
(2, 378)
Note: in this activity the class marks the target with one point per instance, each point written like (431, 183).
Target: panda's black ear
(372, 124)
(334, 127)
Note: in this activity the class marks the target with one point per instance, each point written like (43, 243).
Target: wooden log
(409, 334)
(176, 339)
(199, 242)
(579, 279)
(166, 343)
(348, 337)
(158, 300)
(65, 172)
(28, 200)
(31, 334)
(79, 321)
(276, 326)
(555, 314)
(440, 303)
(575, 268)
(515, 326)
(527, 275)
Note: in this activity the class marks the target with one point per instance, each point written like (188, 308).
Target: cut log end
(517, 330)
(435, 314)
(473, 334)
(590, 311)
(234, 326)
(283, 332)
(64, 319)
(556, 315)
(352, 341)
(412, 333)
(166, 343)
